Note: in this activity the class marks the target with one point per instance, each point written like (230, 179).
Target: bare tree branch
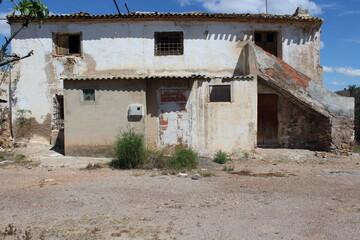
(15, 59)
(6, 44)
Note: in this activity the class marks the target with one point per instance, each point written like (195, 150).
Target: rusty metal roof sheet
(89, 78)
(192, 16)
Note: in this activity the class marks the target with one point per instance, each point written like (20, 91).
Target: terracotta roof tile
(150, 16)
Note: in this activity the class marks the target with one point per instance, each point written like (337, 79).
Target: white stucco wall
(127, 48)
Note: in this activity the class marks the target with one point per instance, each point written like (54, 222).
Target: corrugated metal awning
(92, 78)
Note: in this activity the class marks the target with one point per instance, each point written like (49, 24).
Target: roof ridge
(182, 15)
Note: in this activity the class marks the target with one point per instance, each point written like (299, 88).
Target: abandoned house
(230, 82)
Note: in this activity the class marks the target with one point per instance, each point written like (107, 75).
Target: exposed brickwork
(174, 118)
(177, 96)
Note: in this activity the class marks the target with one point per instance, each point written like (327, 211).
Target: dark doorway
(268, 41)
(267, 134)
(57, 134)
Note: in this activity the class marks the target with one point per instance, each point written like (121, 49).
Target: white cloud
(322, 44)
(255, 6)
(351, 40)
(349, 71)
(184, 2)
(338, 83)
(328, 69)
(351, 12)
(4, 27)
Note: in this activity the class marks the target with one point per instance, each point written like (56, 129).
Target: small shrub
(128, 150)
(183, 159)
(246, 155)
(94, 166)
(155, 159)
(221, 157)
(20, 158)
(228, 168)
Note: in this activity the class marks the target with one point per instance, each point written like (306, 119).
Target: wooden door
(267, 120)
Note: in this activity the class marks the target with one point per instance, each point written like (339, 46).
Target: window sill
(68, 56)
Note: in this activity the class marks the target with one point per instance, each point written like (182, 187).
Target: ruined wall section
(342, 135)
(299, 126)
(303, 128)
(337, 112)
(164, 122)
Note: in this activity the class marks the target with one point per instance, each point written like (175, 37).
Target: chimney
(301, 12)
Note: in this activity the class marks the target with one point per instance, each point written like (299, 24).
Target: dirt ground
(274, 194)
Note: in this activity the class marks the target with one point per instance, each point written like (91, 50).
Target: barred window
(169, 43)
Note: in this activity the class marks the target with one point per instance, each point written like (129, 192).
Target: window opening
(257, 37)
(89, 95)
(58, 112)
(68, 44)
(169, 43)
(220, 93)
(267, 41)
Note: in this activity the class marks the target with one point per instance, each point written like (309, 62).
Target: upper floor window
(169, 43)
(268, 41)
(67, 43)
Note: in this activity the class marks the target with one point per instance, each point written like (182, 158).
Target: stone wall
(302, 128)
(342, 135)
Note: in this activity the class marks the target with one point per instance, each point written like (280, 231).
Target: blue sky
(340, 33)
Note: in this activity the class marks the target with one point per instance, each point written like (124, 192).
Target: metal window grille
(169, 43)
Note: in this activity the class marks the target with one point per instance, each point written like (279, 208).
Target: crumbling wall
(333, 114)
(342, 135)
(302, 128)
(299, 127)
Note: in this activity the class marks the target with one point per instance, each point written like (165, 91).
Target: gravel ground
(275, 194)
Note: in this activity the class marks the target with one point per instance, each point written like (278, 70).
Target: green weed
(128, 150)
(221, 157)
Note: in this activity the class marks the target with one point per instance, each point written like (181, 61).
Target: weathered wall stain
(30, 127)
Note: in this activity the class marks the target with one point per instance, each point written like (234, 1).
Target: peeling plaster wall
(156, 123)
(301, 42)
(92, 126)
(227, 126)
(127, 48)
(209, 47)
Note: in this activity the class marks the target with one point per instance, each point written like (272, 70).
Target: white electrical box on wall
(135, 110)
